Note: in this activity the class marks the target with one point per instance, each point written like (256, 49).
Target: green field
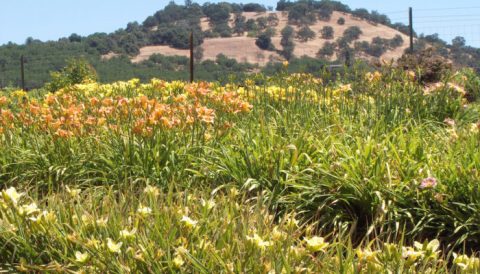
(373, 172)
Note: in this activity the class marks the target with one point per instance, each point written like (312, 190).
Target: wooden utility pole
(22, 71)
(410, 16)
(191, 57)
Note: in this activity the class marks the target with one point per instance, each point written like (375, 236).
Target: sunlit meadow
(369, 172)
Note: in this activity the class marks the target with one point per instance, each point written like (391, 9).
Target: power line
(443, 21)
(449, 16)
(457, 8)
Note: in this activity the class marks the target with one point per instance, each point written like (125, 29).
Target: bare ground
(243, 48)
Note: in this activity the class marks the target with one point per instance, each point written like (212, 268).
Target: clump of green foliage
(77, 71)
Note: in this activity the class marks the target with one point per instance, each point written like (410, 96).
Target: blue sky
(52, 19)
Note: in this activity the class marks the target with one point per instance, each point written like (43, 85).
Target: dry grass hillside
(243, 48)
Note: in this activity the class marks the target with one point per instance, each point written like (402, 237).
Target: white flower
(144, 210)
(152, 190)
(81, 257)
(74, 192)
(113, 247)
(316, 243)
(178, 261)
(258, 241)
(102, 222)
(208, 204)
(12, 195)
(125, 234)
(29, 209)
(188, 222)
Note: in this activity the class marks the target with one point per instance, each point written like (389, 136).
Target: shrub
(264, 41)
(287, 42)
(458, 42)
(77, 71)
(177, 37)
(251, 25)
(301, 13)
(272, 20)
(341, 21)
(150, 22)
(198, 53)
(253, 7)
(327, 50)
(262, 22)
(352, 33)
(239, 25)
(327, 32)
(324, 14)
(305, 33)
(217, 13)
(362, 46)
(223, 30)
(396, 41)
(210, 34)
(342, 42)
(270, 32)
(432, 66)
(75, 38)
(376, 50)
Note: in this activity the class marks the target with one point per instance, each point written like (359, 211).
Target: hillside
(243, 49)
(230, 39)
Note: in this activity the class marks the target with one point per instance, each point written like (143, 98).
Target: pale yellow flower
(474, 128)
(102, 222)
(258, 241)
(234, 192)
(188, 222)
(93, 243)
(47, 217)
(278, 235)
(144, 210)
(126, 235)
(411, 75)
(208, 204)
(467, 264)
(152, 190)
(316, 243)
(12, 195)
(81, 257)
(29, 209)
(178, 261)
(74, 192)
(366, 255)
(291, 222)
(411, 254)
(114, 247)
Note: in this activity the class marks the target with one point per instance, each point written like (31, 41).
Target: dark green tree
(305, 33)
(352, 33)
(287, 42)
(327, 50)
(327, 32)
(239, 25)
(264, 41)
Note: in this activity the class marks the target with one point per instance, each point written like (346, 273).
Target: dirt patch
(109, 56)
(148, 51)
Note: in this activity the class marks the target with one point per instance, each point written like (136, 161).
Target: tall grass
(350, 158)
